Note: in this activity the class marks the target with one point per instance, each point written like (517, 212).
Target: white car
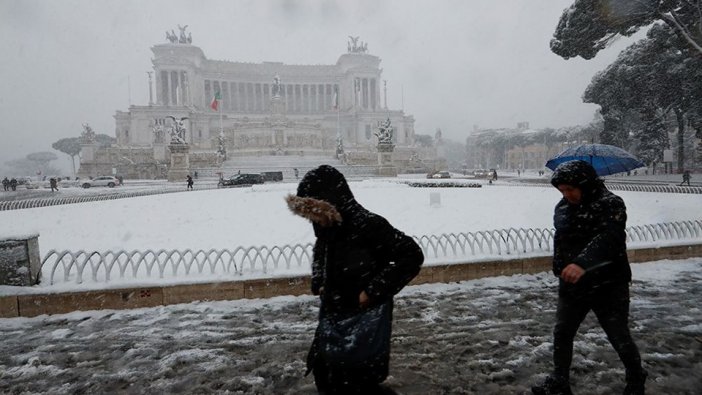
(102, 181)
(441, 174)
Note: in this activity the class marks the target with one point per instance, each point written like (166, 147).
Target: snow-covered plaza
(488, 336)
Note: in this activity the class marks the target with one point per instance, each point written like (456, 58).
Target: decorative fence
(102, 267)
(44, 202)
(654, 188)
(614, 186)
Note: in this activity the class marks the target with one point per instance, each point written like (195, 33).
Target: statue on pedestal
(385, 132)
(221, 147)
(170, 36)
(340, 154)
(353, 46)
(276, 86)
(87, 136)
(183, 38)
(177, 131)
(158, 131)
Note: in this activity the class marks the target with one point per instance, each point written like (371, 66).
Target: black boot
(635, 383)
(553, 385)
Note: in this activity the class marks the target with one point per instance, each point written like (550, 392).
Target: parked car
(439, 174)
(241, 179)
(102, 181)
(272, 175)
(480, 173)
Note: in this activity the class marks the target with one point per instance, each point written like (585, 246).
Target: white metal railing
(55, 201)
(615, 186)
(98, 267)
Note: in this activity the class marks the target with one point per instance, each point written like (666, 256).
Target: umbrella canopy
(606, 159)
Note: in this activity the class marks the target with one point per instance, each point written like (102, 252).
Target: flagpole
(221, 130)
(337, 103)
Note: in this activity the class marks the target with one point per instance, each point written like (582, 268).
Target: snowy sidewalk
(488, 336)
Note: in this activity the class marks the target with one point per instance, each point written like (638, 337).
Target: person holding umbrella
(606, 159)
(593, 273)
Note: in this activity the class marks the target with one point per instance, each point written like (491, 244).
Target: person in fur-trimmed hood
(590, 261)
(359, 261)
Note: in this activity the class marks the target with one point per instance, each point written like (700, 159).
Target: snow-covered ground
(488, 336)
(224, 219)
(255, 216)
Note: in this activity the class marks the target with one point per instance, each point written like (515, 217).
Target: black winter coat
(592, 235)
(355, 251)
(363, 253)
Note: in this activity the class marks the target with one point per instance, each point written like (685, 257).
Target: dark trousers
(611, 306)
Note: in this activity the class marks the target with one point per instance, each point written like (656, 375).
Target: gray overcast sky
(459, 63)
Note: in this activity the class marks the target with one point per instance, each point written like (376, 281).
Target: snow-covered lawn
(228, 218)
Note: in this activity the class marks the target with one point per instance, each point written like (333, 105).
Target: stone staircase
(284, 164)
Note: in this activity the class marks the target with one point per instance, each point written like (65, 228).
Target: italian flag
(215, 101)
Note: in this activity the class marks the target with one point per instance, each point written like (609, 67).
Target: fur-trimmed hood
(323, 197)
(318, 211)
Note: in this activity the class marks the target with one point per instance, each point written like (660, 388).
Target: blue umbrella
(606, 159)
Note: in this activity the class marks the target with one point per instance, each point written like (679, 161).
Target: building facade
(267, 108)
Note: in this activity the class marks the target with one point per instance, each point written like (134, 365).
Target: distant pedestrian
(53, 184)
(190, 182)
(13, 184)
(686, 178)
(297, 173)
(195, 175)
(593, 271)
(121, 180)
(5, 184)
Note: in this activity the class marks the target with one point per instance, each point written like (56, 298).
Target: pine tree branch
(673, 21)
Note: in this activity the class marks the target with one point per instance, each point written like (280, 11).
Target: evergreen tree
(42, 159)
(652, 76)
(652, 139)
(69, 146)
(588, 26)
(36, 163)
(424, 140)
(104, 140)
